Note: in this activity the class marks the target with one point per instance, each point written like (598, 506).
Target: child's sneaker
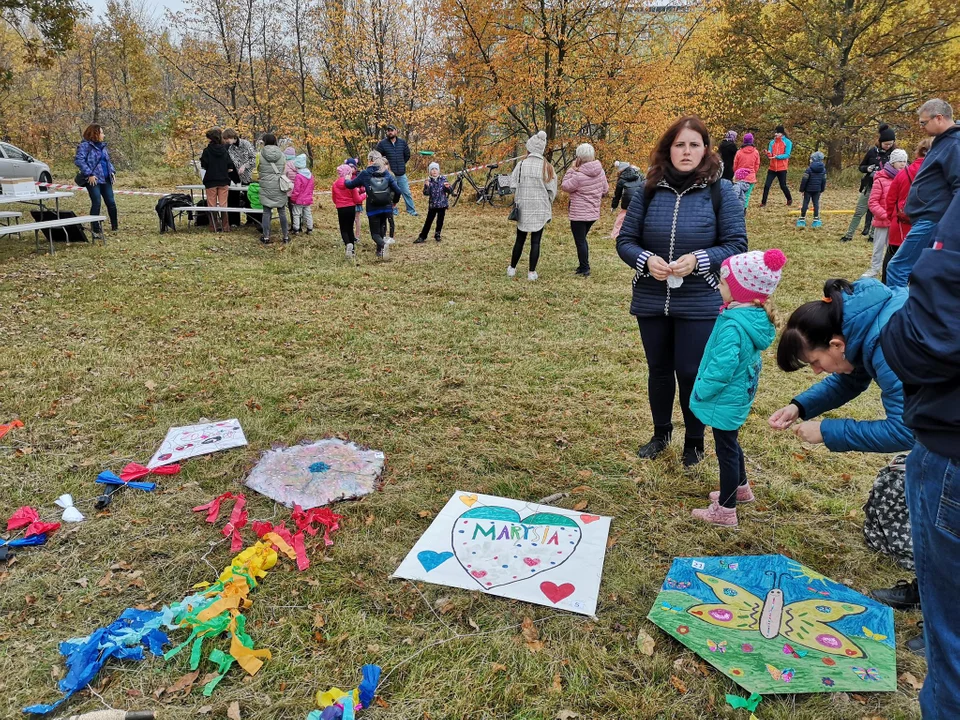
(384, 252)
(437, 237)
(817, 223)
(390, 241)
(511, 271)
(801, 223)
(532, 275)
(419, 240)
(871, 273)
(350, 250)
(716, 514)
(744, 495)
(309, 231)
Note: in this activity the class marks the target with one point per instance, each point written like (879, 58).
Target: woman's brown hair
(215, 135)
(230, 134)
(923, 147)
(92, 133)
(707, 170)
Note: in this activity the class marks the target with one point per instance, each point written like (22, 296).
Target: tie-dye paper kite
(774, 626)
(317, 474)
(524, 551)
(193, 440)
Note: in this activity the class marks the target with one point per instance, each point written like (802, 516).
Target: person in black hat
(875, 159)
(397, 153)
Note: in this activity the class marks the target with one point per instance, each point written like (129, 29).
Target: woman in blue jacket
(840, 335)
(682, 223)
(93, 159)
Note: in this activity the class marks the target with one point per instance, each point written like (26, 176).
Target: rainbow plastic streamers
(238, 518)
(339, 705)
(123, 639)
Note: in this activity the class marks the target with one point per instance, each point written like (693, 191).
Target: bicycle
(495, 187)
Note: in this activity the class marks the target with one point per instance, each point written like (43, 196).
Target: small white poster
(192, 440)
(524, 551)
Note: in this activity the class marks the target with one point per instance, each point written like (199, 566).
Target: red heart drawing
(589, 518)
(554, 593)
(478, 573)
(532, 562)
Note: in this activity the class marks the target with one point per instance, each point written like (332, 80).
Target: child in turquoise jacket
(730, 371)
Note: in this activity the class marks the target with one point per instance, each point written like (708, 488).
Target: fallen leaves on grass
(531, 635)
(497, 667)
(567, 715)
(556, 686)
(645, 642)
(582, 505)
(183, 684)
(444, 605)
(910, 679)
(82, 582)
(233, 710)
(679, 684)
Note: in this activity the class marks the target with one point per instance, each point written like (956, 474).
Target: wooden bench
(10, 216)
(36, 227)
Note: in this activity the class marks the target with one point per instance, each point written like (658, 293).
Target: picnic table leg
(50, 236)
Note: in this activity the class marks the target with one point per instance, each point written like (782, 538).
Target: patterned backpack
(886, 527)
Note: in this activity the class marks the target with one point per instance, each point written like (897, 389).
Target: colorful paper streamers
(337, 704)
(238, 518)
(750, 703)
(123, 639)
(306, 522)
(109, 478)
(29, 518)
(7, 427)
(135, 471)
(70, 513)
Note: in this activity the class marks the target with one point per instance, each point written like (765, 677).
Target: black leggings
(674, 348)
(378, 229)
(439, 214)
(887, 257)
(345, 217)
(807, 199)
(780, 175)
(580, 228)
(733, 469)
(391, 223)
(534, 248)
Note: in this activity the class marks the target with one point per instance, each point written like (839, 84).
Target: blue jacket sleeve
(832, 392)
(804, 180)
(80, 160)
(884, 436)
(787, 149)
(382, 147)
(732, 235)
(397, 194)
(718, 370)
(630, 240)
(358, 181)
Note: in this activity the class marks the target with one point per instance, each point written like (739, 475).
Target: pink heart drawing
(478, 573)
(531, 562)
(589, 518)
(556, 593)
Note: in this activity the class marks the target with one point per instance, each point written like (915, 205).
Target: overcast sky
(157, 7)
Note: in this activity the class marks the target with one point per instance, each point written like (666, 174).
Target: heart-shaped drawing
(507, 548)
(431, 560)
(468, 500)
(556, 593)
(589, 518)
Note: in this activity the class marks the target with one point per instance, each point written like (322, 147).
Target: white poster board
(524, 551)
(192, 440)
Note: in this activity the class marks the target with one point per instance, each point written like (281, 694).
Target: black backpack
(379, 193)
(166, 206)
(886, 526)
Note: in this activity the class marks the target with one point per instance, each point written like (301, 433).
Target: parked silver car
(15, 163)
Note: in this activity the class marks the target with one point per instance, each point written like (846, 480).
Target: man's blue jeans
(404, 184)
(916, 241)
(933, 498)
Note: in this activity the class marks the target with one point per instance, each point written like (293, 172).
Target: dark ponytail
(813, 325)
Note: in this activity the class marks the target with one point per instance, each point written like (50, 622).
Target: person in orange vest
(778, 151)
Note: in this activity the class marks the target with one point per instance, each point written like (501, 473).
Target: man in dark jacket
(628, 181)
(921, 343)
(397, 153)
(933, 189)
(728, 151)
(876, 157)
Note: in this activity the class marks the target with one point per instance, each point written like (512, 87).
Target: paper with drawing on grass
(773, 625)
(192, 440)
(524, 551)
(318, 473)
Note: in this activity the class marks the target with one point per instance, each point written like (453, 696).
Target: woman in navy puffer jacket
(679, 229)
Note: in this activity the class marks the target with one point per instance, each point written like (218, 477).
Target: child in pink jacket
(302, 195)
(346, 202)
(877, 204)
(586, 183)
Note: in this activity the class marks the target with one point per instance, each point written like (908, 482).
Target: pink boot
(744, 495)
(716, 514)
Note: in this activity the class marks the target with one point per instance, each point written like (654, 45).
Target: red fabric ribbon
(29, 518)
(237, 521)
(305, 520)
(135, 471)
(7, 427)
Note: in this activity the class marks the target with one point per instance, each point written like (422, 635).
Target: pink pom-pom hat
(753, 275)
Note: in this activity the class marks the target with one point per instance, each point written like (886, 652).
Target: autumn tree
(835, 67)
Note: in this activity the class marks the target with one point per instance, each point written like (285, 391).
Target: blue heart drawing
(319, 467)
(431, 560)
